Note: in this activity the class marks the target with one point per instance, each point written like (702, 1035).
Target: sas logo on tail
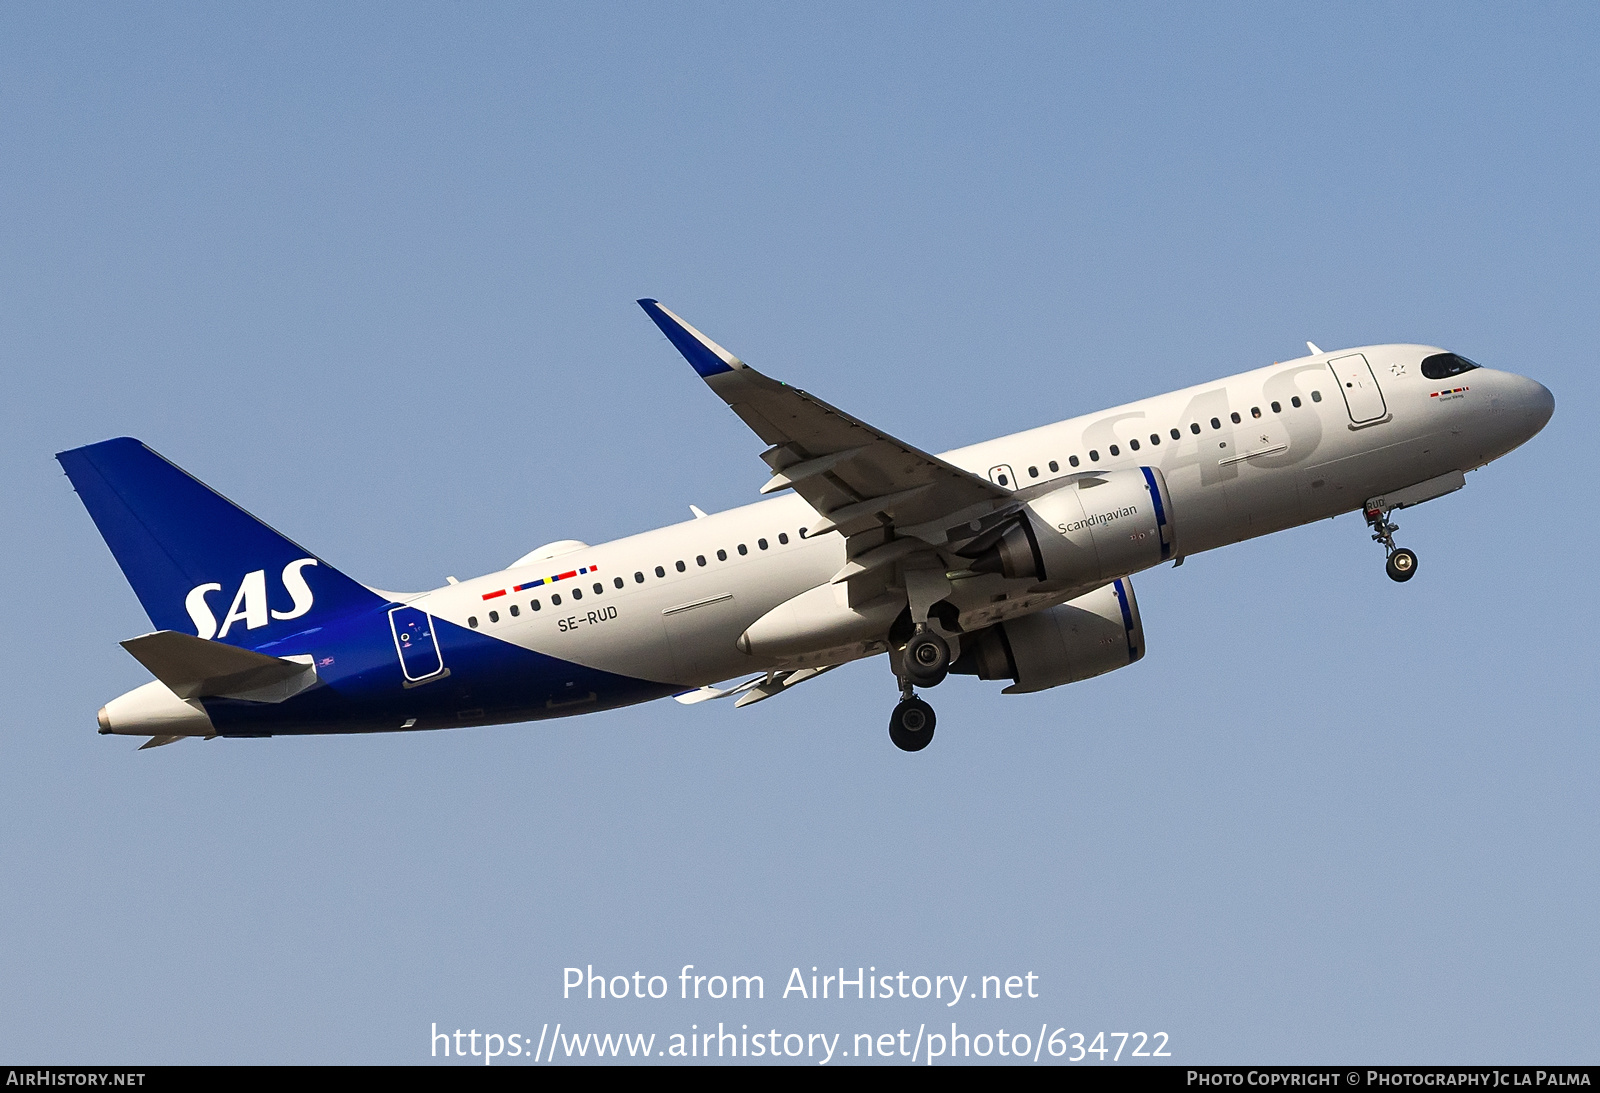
(250, 602)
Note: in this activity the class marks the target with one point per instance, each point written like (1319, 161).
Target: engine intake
(1096, 633)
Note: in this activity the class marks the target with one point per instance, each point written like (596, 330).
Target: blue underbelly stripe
(486, 680)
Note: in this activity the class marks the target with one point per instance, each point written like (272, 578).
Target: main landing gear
(911, 724)
(927, 658)
(1402, 563)
(925, 662)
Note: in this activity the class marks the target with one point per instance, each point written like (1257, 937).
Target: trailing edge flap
(196, 668)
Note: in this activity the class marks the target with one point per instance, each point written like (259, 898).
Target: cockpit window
(1443, 365)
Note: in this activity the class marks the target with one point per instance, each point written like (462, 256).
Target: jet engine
(1089, 636)
(1090, 530)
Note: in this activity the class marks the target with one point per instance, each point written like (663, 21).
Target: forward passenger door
(1362, 396)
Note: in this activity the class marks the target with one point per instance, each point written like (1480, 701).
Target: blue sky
(370, 271)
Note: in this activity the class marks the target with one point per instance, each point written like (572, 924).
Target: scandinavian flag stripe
(581, 571)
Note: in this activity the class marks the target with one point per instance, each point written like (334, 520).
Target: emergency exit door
(1359, 386)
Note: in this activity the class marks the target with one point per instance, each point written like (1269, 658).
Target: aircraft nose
(1521, 406)
(1538, 404)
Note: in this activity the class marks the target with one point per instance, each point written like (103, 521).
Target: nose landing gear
(1402, 563)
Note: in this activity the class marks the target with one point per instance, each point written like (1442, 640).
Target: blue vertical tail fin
(199, 563)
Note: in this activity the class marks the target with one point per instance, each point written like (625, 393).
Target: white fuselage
(1253, 453)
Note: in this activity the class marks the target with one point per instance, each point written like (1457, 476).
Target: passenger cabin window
(660, 572)
(783, 538)
(1054, 466)
(681, 566)
(1176, 435)
(555, 599)
(494, 616)
(1234, 417)
(1073, 460)
(743, 549)
(1094, 456)
(1133, 445)
(699, 559)
(616, 582)
(1295, 401)
(1194, 427)
(472, 621)
(638, 577)
(1277, 407)
(515, 610)
(1155, 438)
(1001, 479)
(598, 588)
(1255, 411)
(534, 604)
(1033, 472)
(762, 543)
(1316, 396)
(1444, 365)
(577, 594)
(1115, 451)
(1215, 424)
(722, 555)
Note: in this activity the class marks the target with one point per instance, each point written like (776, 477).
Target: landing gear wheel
(1402, 565)
(927, 658)
(911, 724)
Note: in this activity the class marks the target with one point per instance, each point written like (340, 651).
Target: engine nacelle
(1091, 529)
(1096, 633)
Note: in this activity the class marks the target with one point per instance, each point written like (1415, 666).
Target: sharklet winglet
(704, 355)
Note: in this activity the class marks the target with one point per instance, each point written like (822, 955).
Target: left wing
(754, 690)
(888, 499)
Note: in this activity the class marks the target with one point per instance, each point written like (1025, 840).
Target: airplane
(1009, 560)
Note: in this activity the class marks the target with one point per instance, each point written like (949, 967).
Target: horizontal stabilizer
(196, 668)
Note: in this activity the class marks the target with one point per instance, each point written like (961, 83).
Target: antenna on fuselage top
(1313, 347)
